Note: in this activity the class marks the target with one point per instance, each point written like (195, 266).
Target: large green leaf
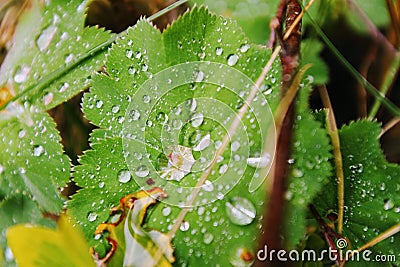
(49, 37)
(189, 117)
(372, 185)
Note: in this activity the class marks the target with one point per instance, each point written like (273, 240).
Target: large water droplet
(142, 171)
(197, 119)
(244, 48)
(124, 176)
(259, 162)
(44, 40)
(38, 150)
(241, 257)
(203, 144)
(92, 216)
(208, 238)
(240, 211)
(99, 104)
(21, 75)
(232, 59)
(184, 226)
(134, 115)
(199, 76)
(208, 186)
(389, 204)
(166, 211)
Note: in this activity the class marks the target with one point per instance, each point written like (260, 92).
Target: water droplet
(197, 119)
(297, 173)
(223, 168)
(138, 55)
(146, 99)
(45, 38)
(128, 53)
(208, 238)
(134, 114)
(162, 117)
(92, 216)
(38, 150)
(8, 255)
(208, 186)
(177, 124)
(124, 176)
(389, 204)
(21, 133)
(199, 76)
(244, 48)
(382, 187)
(203, 144)
(131, 70)
(193, 104)
(101, 184)
(142, 171)
(259, 162)
(115, 109)
(69, 58)
(184, 226)
(241, 257)
(145, 67)
(232, 59)
(99, 104)
(21, 75)
(166, 211)
(240, 211)
(218, 51)
(63, 88)
(48, 98)
(235, 146)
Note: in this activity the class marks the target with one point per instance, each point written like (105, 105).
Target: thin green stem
(387, 84)
(370, 88)
(48, 79)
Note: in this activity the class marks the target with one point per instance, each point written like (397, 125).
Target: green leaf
(15, 210)
(47, 39)
(38, 246)
(252, 16)
(310, 169)
(33, 162)
(372, 199)
(145, 90)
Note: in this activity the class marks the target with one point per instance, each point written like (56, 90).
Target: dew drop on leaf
(240, 211)
(45, 38)
(162, 117)
(223, 168)
(197, 119)
(184, 226)
(218, 51)
(99, 104)
(177, 124)
(208, 238)
(128, 53)
(389, 204)
(203, 143)
(142, 171)
(21, 133)
(134, 115)
(38, 150)
(48, 98)
(101, 184)
(166, 211)
(138, 55)
(199, 76)
(21, 74)
(208, 186)
(244, 48)
(146, 99)
(259, 162)
(115, 109)
(241, 257)
(92, 216)
(235, 146)
(232, 59)
(124, 176)
(69, 58)
(145, 67)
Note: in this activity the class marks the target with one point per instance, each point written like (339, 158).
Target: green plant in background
(64, 58)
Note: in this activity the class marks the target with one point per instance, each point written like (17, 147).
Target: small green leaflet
(372, 190)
